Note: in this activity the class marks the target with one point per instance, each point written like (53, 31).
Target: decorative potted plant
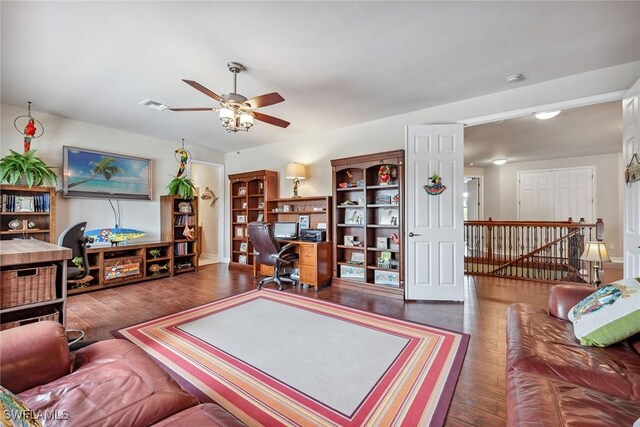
(17, 168)
(181, 186)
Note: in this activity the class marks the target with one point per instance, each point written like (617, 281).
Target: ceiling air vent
(154, 104)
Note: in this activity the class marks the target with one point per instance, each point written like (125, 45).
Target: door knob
(411, 234)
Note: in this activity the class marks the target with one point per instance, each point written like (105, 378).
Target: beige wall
(316, 150)
(503, 181)
(59, 131)
(203, 176)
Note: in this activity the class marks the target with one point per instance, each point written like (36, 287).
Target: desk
(314, 263)
(27, 256)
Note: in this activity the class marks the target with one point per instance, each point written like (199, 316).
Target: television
(97, 174)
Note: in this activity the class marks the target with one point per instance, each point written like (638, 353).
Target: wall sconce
(296, 172)
(595, 252)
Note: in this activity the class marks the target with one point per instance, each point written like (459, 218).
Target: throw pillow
(609, 315)
(13, 412)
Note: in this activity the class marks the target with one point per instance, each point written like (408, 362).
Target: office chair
(74, 238)
(267, 250)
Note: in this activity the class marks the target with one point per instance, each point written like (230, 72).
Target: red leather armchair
(111, 382)
(552, 380)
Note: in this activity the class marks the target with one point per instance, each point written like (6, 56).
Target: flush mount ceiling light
(547, 115)
(514, 78)
(236, 112)
(499, 162)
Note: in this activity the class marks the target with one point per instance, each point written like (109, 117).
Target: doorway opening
(208, 179)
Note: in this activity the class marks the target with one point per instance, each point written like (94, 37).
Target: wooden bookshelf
(38, 220)
(173, 222)
(317, 208)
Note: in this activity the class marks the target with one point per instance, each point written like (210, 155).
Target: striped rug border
(405, 395)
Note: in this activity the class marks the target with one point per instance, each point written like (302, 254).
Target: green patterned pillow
(13, 412)
(609, 315)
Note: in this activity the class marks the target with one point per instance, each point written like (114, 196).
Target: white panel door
(631, 145)
(535, 196)
(573, 194)
(434, 240)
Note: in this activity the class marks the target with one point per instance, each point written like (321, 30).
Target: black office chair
(267, 250)
(74, 238)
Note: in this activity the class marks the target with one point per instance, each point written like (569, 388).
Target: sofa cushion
(541, 401)
(117, 384)
(206, 414)
(608, 315)
(14, 412)
(542, 344)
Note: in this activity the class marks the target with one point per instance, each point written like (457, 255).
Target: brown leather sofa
(112, 382)
(552, 380)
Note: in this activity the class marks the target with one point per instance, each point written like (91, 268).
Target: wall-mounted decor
(632, 172)
(97, 174)
(436, 187)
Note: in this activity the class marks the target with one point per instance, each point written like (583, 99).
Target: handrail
(548, 250)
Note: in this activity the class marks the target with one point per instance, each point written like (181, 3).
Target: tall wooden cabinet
(33, 209)
(179, 226)
(249, 193)
(368, 199)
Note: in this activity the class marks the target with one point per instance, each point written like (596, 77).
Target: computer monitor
(285, 230)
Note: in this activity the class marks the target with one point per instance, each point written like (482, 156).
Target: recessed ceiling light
(547, 115)
(154, 104)
(514, 78)
(499, 162)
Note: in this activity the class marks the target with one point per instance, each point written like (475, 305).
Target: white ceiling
(584, 131)
(335, 63)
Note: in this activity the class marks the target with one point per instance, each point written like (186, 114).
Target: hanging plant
(17, 168)
(181, 186)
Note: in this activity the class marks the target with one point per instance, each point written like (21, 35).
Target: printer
(313, 235)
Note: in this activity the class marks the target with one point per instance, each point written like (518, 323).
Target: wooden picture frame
(243, 246)
(239, 232)
(242, 219)
(303, 221)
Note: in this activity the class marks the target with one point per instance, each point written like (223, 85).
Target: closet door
(573, 194)
(535, 196)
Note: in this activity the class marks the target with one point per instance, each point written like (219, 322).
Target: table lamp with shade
(296, 172)
(596, 253)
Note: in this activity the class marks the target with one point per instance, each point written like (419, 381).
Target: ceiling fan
(236, 111)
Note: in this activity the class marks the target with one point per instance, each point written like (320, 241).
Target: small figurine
(184, 159)
(29, 133)
(188, 232)
(384, 173)
(349, 178)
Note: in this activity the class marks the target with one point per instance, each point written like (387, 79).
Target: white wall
(503, 179)
(59, 131)
(207, 176)
(317, 150)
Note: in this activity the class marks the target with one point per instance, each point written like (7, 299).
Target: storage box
(388, 278)
(27, 285)
(120, 268)
(350, 272)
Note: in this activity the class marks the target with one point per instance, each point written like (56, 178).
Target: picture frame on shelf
(260, 217)
(350, 240)
(322, 226)
(357, 257)
(303, 221)
(260, 205)
(351, 272)
(388, 217)
(383, 199)
(24, 204)
(244, 205)
(241, 219)
(242, 259)
(382, 243)
(239, 232)
(388, 278)
(353, 216)
(243, 246)
(242, 191)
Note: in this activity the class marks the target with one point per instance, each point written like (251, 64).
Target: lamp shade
(296, 170)
(595, 251)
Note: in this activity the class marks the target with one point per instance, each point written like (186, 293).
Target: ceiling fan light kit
(236, 112)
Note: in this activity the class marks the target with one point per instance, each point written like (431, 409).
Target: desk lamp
(296, 172)
(595, 252)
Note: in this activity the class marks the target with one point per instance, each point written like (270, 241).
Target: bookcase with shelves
(27, 212)
(179, 225)
(368, 231)
(249, 194)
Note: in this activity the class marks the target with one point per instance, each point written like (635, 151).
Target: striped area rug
(278, 359)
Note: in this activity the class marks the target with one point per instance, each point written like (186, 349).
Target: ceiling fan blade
(198, 86)
(265, 100)
(271, 120)
(192, 109)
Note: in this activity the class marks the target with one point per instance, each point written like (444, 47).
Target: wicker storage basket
(27, 285)
(52, 316)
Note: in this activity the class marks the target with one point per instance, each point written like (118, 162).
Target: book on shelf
(181, 248)
(13, 203)
(184, 220)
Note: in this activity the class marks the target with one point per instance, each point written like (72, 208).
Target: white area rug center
(334, 361)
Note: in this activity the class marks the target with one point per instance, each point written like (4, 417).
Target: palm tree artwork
(105, 167)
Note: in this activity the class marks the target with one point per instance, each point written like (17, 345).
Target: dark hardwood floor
(479, 399)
